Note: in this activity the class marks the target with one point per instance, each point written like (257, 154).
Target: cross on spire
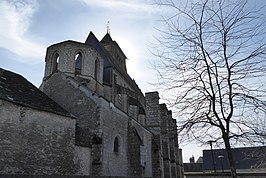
(108, 27)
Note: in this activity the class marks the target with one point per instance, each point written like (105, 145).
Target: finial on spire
(108, 27)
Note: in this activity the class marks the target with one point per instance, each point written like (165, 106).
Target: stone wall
(134, 152)
(83, 158)
(153, 123)
(74, 98)
(65, 62)
(225, 175)
(153, 112)
(254, 175)
(114, 125)
(36, 142)
(58, 176)
(165, 141)
(145, 147)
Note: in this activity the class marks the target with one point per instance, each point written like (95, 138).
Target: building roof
(107, 38)
(245, 158)
(94, 42)
(108, 59)
(16, 89)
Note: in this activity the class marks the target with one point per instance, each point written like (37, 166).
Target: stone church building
(88, 118)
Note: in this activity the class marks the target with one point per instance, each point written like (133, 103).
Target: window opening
(96, 70)
(78, 61)
(116, 145)
(55, 62)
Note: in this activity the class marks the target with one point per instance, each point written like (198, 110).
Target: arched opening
(116, 145)
(78, 63)
(55, 62)
(96, 69)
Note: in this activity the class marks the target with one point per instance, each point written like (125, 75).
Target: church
(88, 118)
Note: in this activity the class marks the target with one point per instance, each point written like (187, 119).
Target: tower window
(96, 69)
(116, 145)
(55, 62)
(78, 62)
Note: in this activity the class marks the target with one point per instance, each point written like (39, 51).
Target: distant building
(247, 159)
(92, 120)
(193, 166)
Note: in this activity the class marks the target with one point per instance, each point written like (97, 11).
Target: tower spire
(108, 27)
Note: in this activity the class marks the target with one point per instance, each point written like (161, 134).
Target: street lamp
(213, 163)
(221, 159)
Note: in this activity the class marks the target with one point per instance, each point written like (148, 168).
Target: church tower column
(153, 123)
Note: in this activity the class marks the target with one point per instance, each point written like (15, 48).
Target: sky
(28, 27)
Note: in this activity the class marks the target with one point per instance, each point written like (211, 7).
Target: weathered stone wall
(83, 157)
(116, 53)
(165, 141)
(173, 144)
(36, 142)
(74, 98)
(225, 175)
(145, 148)
(247, 175)
(179, 164)
(67, 51)
(96, 117)
(134, 144)
(157, 171)
(121, 85)
(114, 123)
(153, 123)
(58, 176)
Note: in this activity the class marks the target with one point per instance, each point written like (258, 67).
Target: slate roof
(16, 89)
(108, 39)
(245, 158)
(108, 59)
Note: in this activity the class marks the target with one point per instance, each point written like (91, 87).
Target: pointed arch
(55, 62)
(78, 63)
(96, 69)
(116, 146)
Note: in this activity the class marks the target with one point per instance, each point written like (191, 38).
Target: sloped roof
(107, 38)
(245, 158)
(94, 42)
(108, 59)
(16, 89)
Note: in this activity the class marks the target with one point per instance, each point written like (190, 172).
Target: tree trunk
(230, 156)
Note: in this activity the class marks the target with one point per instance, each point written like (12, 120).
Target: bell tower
(77, 60)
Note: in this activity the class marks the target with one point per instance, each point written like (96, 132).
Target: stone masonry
(111, 128)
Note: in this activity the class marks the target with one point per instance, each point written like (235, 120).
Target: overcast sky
(28, 27)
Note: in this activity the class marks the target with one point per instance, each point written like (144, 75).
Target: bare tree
(212, 62)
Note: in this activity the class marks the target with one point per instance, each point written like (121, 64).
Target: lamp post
(213, 163)
(221, 159)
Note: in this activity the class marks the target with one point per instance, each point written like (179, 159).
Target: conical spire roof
(107, 38)
(91, 39)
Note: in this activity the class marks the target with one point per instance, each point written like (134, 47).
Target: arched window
(96, 69)
(116, 145)
(78, 62)
(55, 62)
